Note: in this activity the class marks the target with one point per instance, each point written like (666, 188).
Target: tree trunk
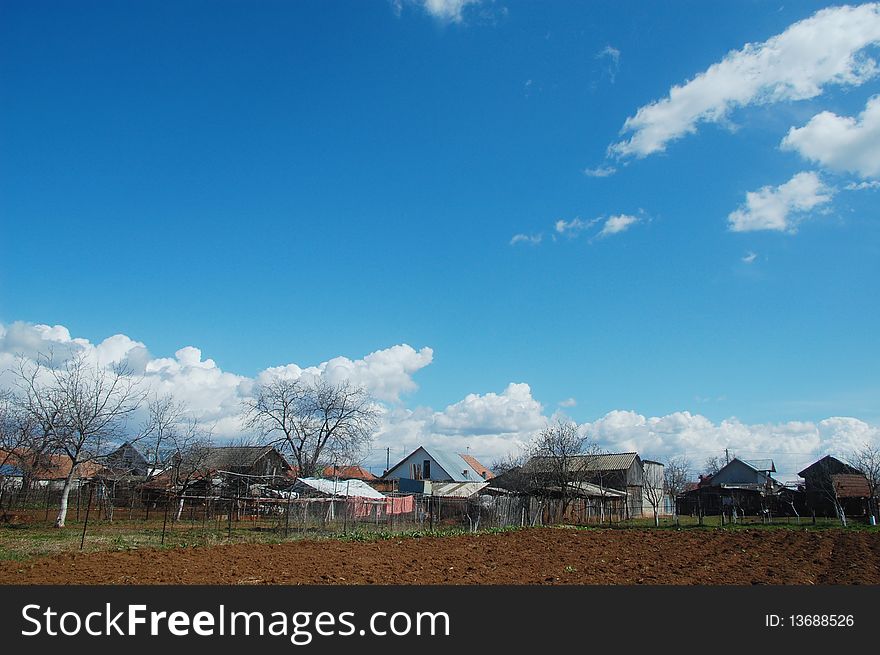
(656, 518)
(65, 493)
(179, 511)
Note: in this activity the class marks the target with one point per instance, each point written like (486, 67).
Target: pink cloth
(400, 505)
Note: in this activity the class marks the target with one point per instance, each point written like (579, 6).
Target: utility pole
(387, 459)
(726, 456)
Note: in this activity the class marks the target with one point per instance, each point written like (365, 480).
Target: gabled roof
(826, 465)
(454, 465)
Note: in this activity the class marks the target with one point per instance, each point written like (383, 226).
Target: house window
(426, 469)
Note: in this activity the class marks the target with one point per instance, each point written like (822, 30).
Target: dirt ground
(533, 556)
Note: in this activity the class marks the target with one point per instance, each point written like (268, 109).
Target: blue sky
(281, 182)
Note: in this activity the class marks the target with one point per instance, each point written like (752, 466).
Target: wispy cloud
(781, 207)
(611, 56)
(862, 186)
(825, 49)
(600, 171)
(531, 239)
(573, 227)
(568, 402)
(749, 257)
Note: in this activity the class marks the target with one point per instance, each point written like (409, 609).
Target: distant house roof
(827, 466)
(485, 473)
(45, 466)
(342, 488)
(589, 463)
(127, 458)
(230, 457)
(765, 465)
(348, 473)
(851, 485)
(10, 471)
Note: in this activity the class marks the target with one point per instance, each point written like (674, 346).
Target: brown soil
(536, 556)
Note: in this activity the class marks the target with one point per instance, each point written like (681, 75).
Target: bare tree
(867, 460)
(315, 420)
(188, 463)
(162, 429)
(80, 406)
(713, 465)
(653, 487)
(677, 474)
(555, 456)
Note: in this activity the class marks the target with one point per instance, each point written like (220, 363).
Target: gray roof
(609, 462)
(223, 457)
(455, 466)
(761, 464)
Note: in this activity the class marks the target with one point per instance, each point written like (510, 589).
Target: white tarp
(457, 489)
(343, 488)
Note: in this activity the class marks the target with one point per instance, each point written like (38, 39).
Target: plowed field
(533, 556)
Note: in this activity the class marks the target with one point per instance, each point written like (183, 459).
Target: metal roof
(762, 465)
(609, 462)
(455, 467)
(341, 488)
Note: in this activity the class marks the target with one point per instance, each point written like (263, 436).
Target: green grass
(37, 539)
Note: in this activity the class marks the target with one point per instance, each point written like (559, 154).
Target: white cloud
(825, 49)
(573, 227)
(600, 171)
(489, 425)
(862, 186)
(617, 224)
(532, 239)
(841, 143)
(749, 257)
(568, 402)
(446, 11)
(793, 445)
(612, 56)
(781, 207)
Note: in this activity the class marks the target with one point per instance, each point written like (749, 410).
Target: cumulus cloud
(531, 239)
(617, 224)
(781, 207)
(488, 425)
(826, 49)
(793, 445)
(841, 143)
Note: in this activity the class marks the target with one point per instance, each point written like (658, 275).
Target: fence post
(82, 541)
(165, 521)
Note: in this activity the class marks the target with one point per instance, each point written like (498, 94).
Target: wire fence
(102, 508)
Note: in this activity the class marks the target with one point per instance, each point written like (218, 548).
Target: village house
(830, 480)
(741, 487)
(438, 473)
